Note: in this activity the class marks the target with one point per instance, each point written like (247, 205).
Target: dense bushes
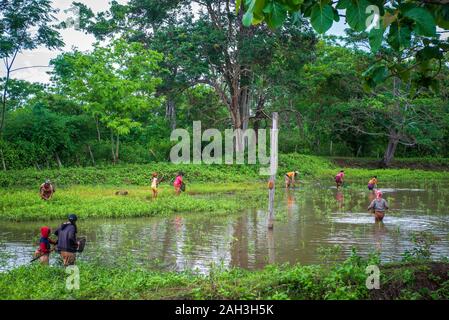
(134, 174)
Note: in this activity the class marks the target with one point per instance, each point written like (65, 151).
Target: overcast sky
(72, 39)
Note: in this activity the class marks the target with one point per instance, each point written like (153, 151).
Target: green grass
(344, 280)
(101, 201)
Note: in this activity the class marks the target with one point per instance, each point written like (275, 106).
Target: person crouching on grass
(67, 242)
(178, 183)
(154, 184)
(44, 246)
(46, 190)
(378, 206)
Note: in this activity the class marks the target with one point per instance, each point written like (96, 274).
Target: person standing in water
(67, 240)
(46, 190)
(178, 183)
(339, 178)
(379, 206)
(372, 184)
(44, 246)
(290, 179)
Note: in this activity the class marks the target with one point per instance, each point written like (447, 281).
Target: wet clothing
(68, 258)
(379, 215)
(46, 191)
(66, 234)
(379, 204)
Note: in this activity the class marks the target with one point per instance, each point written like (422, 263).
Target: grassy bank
(347, 280)
(310, 167)
(101, 201)
(432, 164)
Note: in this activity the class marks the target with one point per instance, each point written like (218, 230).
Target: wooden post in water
(273, 169)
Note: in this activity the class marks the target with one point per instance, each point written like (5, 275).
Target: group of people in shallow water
(67, 243)
(378, 205)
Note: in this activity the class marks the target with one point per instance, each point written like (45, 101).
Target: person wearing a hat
(46, 190)
(67, 241)
(379, 206)
(290, 179)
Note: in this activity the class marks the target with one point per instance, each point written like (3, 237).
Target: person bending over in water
(46, 190)
(339, 178)
(372, 184)
(290, 179)
(379, 206)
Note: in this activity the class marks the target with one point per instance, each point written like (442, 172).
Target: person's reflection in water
(340, 198)
(178, 223)
(290, 204)
(271, 247)
(379, 232)
(371, 196)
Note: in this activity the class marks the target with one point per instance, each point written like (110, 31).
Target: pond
(309, 219)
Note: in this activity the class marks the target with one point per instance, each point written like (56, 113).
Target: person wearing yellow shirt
(372, 184)
(290, 179)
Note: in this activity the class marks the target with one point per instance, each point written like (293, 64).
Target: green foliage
(342, 281)
(404, 23)
(101, 201)
(422, 247)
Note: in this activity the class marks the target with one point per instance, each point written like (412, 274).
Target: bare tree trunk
(112, 147)
(3, 160)
(8, 65)
(58, 160)
(97, 124)
(117, 148)
(170, 112)
(273, 167)
(91, 155)
(5, 92)
(389, 152)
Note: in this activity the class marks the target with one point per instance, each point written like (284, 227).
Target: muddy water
(309, 219)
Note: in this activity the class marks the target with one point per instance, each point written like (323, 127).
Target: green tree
(24, 25)
(401, 25)
(115, 84)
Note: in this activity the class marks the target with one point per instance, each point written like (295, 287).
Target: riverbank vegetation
(102, 201)
(309, 167)
(345, 280)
